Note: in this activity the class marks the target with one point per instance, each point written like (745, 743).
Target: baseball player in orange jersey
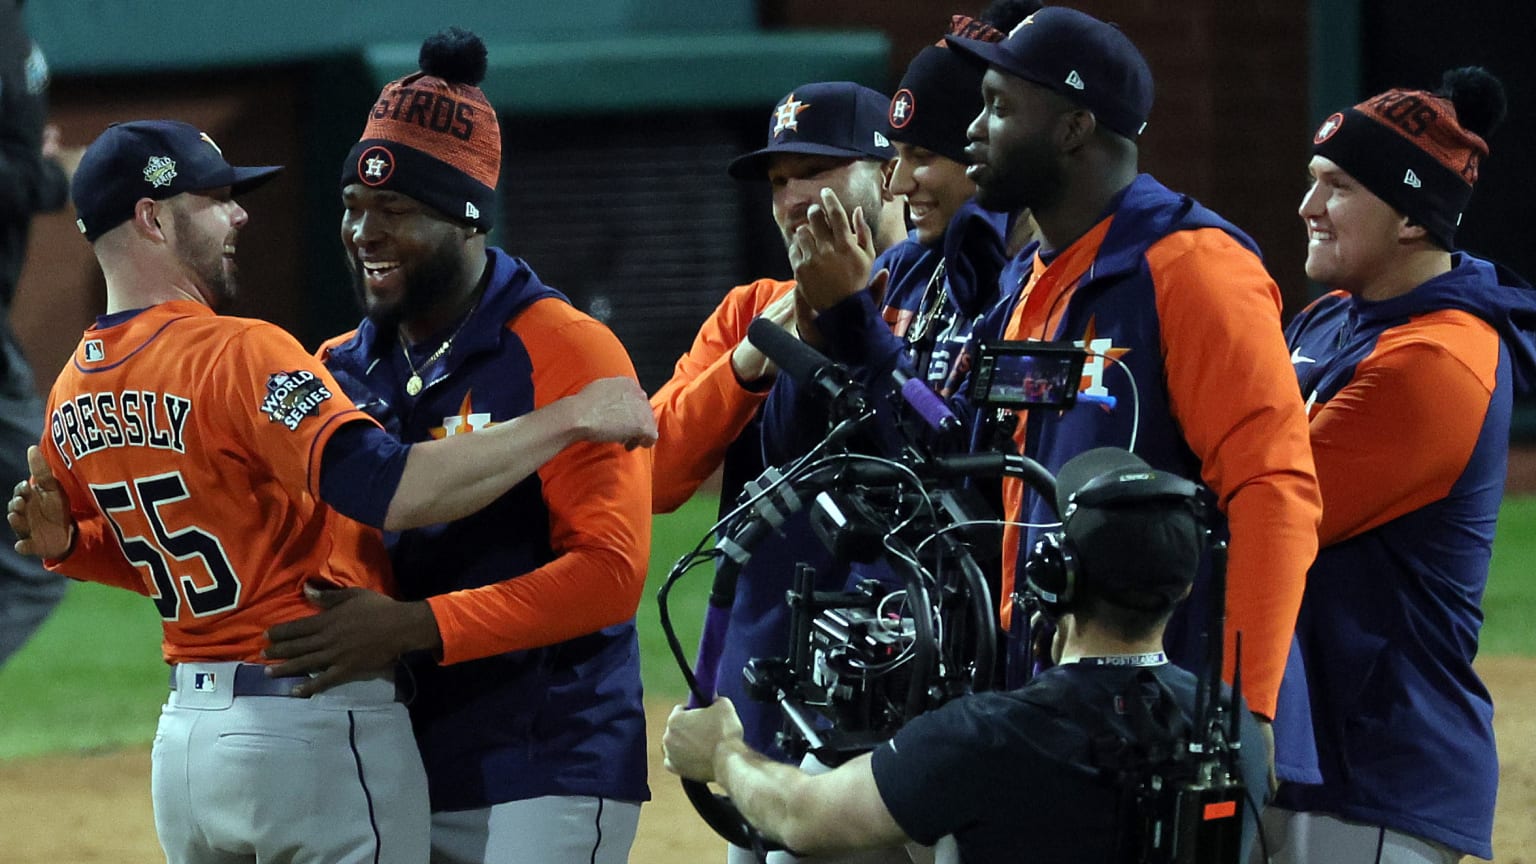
(186, 458)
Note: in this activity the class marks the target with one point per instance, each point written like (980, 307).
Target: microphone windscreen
(796, 359)
(928, 405)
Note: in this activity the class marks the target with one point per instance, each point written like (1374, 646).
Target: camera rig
(917, 627)
(919, 631)
(922, 628)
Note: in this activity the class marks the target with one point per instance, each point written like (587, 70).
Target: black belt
(251, 680)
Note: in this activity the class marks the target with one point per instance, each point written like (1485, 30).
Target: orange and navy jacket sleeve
(1233, 392)
(704, 407)
(598, 498)
(1400, 433)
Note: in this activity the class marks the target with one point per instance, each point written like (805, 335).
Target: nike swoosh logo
(1296, 357)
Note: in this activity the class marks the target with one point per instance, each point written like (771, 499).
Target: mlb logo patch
(204, 682)
(94, 351)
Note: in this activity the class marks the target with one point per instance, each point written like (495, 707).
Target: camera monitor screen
(1028, 374)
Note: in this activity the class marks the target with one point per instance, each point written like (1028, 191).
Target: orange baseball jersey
(189, 445)
(703, 408)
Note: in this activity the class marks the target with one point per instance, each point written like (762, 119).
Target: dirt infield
(95, 807)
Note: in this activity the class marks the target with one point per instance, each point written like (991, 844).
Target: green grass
(1509, 604)
(92, 678)
(672, 536)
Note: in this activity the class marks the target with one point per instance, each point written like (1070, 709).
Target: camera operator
(1013, 775)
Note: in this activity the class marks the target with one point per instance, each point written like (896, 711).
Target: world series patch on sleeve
(292, 396)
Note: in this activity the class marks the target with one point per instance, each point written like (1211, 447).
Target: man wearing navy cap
(186, 458)
(1180, 321)
(828, 135)
(1011, 775)
(917, 311)
(821, 136)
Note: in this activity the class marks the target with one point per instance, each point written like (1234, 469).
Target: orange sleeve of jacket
(598, 498)
(703, 408)
(1233, 392)
(1400, 433)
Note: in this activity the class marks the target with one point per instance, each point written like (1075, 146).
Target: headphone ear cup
(1050, 571)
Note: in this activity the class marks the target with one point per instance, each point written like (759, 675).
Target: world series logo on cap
(160, 171)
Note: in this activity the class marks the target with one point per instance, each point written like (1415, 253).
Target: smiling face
(204, 230)
(935, 187)
(1353, 237)
(408, 261)
(798, 178)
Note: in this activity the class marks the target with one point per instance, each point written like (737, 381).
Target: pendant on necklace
(413, 385)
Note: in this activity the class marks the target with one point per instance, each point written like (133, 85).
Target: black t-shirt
(1010, 773)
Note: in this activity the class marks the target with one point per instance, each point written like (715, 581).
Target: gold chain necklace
(929, 305)
(413, 384)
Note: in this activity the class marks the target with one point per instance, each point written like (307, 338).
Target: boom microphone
(805, 365)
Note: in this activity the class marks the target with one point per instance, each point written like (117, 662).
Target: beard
(1029, 177)
(203, 258)
(425, 285)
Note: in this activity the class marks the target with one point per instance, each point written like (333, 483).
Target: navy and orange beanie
(433, 136)
(940, 94)
(1418, 151)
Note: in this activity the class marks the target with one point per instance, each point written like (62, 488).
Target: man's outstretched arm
(813, 813)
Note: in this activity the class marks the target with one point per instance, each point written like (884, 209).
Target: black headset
(1052, 571)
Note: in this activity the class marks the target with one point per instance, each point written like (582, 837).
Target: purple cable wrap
(711, 643)
(928, 405)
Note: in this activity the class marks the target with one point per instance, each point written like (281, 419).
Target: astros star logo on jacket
(464, 422)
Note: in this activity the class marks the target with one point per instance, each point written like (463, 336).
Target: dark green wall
(91, 36)
(545, 57)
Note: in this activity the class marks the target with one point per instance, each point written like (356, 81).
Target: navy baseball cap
(1077, 55)
(833, 118)
(155, 159)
